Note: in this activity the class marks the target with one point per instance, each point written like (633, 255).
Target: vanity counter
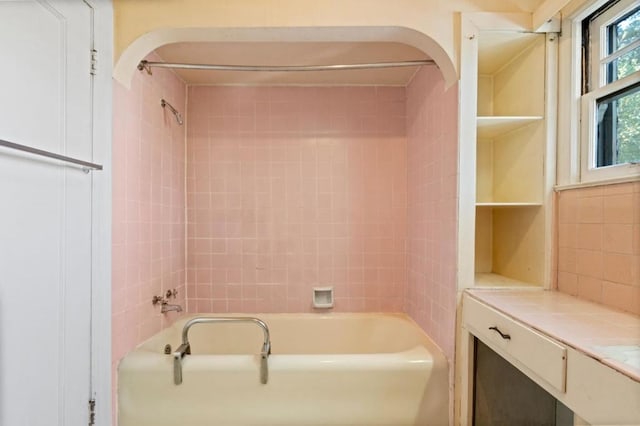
(609, 336)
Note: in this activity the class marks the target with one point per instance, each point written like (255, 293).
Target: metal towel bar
(185, 347)
(85, 164)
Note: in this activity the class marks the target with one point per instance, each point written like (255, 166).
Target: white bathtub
(337, 369)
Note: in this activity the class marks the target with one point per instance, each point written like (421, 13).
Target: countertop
(610, 336)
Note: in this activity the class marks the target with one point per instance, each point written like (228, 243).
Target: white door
(45, 213)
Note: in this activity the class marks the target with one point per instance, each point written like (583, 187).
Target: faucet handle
(158, 300)
(171, 293)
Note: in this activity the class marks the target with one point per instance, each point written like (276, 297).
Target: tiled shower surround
(432, 200)
(291, 188)
(287, 188)
(148, 229)
(294, 187)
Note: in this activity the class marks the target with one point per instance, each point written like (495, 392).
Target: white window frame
(602, 22)
(588, 171)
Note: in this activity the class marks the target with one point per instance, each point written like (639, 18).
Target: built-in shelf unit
(508, 93)
(512, 212)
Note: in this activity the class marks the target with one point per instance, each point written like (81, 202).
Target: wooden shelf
(511, 215)
(497, 49)
(508, 205)
(491, 280)
(490, 127)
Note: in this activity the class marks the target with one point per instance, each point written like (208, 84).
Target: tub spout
(166, 307)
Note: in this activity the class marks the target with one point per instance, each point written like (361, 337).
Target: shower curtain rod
(147, 65)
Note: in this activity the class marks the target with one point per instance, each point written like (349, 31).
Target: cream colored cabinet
(507, 96)
(512, 339)
(507, 172)
(592, 390)
(510, 153)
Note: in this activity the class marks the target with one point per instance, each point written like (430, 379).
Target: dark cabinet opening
(504, 396)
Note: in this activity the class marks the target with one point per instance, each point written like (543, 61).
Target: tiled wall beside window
(599, 244)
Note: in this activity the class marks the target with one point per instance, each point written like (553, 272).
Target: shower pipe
(175, 112)
(147, 65)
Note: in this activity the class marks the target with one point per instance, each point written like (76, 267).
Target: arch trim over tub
(136, 51)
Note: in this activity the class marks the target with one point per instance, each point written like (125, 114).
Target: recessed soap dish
(323, 297)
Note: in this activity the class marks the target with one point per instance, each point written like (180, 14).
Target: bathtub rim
(436, 353)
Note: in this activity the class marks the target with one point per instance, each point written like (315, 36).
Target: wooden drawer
(537, 353)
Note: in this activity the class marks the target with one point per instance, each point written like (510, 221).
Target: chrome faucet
(166, 307)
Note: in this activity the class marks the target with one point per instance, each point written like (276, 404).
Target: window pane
(624, 65)
(618, 136)
(625, 31)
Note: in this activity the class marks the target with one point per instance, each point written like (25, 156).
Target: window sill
(603, 182)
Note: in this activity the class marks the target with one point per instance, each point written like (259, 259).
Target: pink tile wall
(432, 143)
(599, 244)
(294, 187)
(148, 206)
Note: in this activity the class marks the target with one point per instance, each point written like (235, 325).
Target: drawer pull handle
(503, 335)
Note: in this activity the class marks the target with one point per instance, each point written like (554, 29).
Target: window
(611, 92)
